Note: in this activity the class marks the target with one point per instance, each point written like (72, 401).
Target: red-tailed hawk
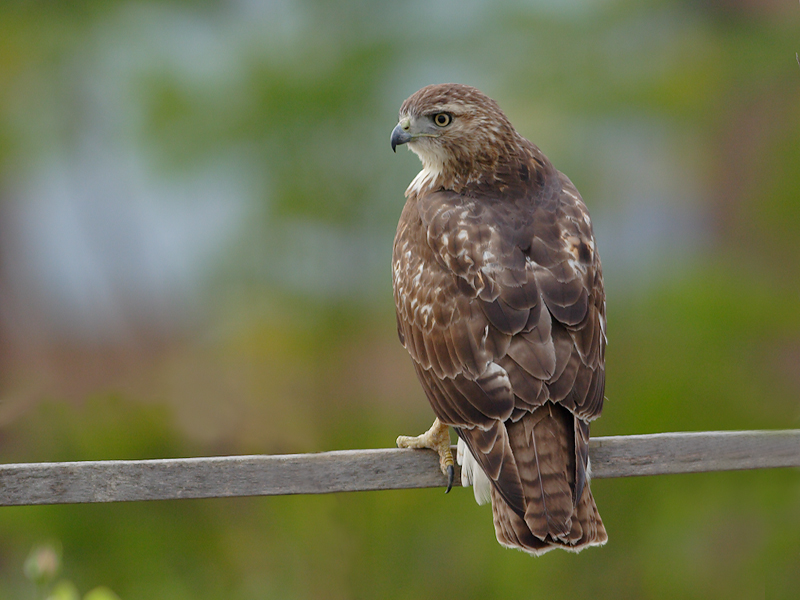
(500, 303)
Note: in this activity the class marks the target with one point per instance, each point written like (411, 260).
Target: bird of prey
(500, 303)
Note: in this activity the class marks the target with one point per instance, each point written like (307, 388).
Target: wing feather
(504, 317)
(492, 450)
(500, 304)
(529, 390)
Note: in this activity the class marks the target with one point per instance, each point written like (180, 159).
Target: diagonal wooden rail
(363, 470)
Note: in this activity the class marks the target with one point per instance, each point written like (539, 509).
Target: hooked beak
(400, 134)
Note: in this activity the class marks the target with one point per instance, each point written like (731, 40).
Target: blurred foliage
(42, 566)
(677, 121)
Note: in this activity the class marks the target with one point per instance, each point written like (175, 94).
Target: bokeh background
(197, 206)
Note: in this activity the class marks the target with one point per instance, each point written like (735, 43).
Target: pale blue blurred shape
(105, 241)
(102, 245)
(649, 213)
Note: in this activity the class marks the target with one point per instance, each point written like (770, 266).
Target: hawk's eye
(442, 119)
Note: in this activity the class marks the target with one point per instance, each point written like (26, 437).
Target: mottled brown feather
(500, 303)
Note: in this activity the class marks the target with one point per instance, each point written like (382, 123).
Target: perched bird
(500, 303)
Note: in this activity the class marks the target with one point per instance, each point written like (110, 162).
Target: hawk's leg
(436, 438)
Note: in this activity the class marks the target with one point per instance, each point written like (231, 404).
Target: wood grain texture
(365, 470)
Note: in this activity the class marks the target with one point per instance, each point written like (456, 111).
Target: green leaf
(101, 593)
(64, 590)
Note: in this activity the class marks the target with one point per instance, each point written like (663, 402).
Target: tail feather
(512, 531)
(550, 452)
(542, 446)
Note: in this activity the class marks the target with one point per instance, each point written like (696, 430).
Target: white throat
(423, 181)
(432, 166)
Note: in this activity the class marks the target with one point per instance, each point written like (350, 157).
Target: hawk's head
(458, 133)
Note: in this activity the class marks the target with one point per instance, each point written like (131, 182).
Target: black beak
(399, 137)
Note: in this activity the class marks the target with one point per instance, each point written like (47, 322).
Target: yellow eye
(442, 119)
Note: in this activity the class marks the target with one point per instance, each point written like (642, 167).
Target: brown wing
(500, 304)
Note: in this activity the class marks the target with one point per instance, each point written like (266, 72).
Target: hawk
(500, 303)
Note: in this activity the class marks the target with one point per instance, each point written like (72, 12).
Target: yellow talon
(436, 438)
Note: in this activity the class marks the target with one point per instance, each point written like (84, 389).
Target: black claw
(451, 475)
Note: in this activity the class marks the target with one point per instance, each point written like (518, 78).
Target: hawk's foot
(436, 438)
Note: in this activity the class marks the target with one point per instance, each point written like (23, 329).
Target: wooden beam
(363, 470)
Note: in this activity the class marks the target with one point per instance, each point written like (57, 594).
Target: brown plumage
(500, 302)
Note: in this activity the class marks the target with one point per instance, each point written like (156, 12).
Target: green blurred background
(197, 206)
